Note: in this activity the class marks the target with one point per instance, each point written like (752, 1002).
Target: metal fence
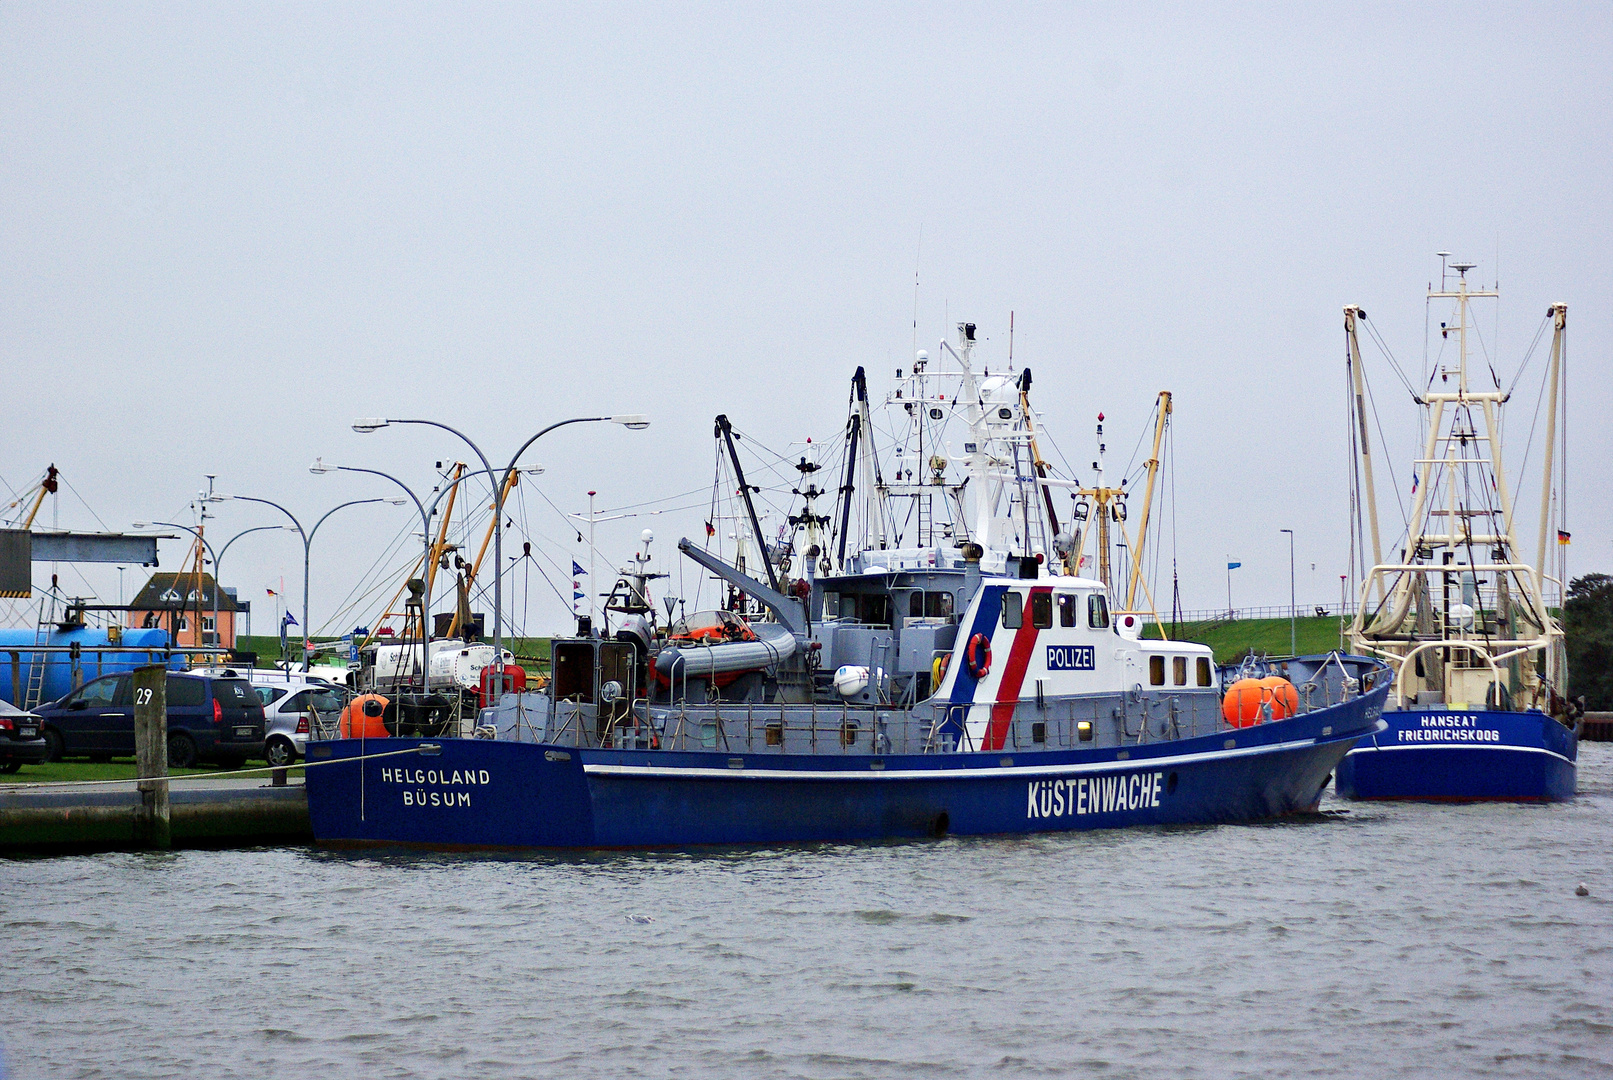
(1202, 615)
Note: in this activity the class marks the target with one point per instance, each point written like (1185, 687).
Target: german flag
(1563, 537)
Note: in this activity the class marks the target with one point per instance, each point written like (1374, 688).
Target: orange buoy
(1247, 701)
(1283, 697)
(362, 718)
(1241, 705)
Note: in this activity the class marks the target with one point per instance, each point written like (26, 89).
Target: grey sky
(230, 230)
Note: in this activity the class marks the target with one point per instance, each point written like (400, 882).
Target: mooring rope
(24, 785)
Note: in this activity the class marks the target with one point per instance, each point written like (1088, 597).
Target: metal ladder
(38, 661)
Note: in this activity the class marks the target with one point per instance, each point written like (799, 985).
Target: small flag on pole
(711, 530)
(1233, 565)
(290, 619)
(1563, 537)
(576, 571)
(1415, 476)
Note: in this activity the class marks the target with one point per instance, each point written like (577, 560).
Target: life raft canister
(978, 656)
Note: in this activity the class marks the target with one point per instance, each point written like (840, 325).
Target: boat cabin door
(604, 674)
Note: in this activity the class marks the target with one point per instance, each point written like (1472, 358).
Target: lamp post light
(307, 544)
(632, 421)
(1293, 632)
(218, 555)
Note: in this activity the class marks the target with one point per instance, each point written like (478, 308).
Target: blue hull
(483, 793)
(1463, 757)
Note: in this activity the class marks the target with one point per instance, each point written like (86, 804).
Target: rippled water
(1378, 941)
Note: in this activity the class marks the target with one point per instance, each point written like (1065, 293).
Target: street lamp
(1293, 633)
(320, 467)
(218, 555)
(307, 544)
(631, 421)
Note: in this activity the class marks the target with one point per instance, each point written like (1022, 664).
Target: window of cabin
(1156, 671)
(915, 604)
(874, 610)
(1098, 611)
(1013, 610)
(938, 605)
(1041, 610)
(1178, 671)
(1204, 671)
(1066, 609)
(831, 605)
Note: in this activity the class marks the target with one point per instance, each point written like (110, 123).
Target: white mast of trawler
(1461, 541)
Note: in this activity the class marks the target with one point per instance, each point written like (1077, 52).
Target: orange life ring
(978, 656)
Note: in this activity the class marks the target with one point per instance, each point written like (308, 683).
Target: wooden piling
(150, 688)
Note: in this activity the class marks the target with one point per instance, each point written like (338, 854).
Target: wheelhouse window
(1066, 609)
(1178, 671)
(1041, 610)
(1204, 671)
(831, 605)
(938, 605)
(1098, 611)
(1013, 610)
(1156, 671)
(915, 605)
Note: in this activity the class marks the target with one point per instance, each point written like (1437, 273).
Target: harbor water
(1393, 940)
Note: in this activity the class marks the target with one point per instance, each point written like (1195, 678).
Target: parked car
(20, 741)
(214, 718)
(292, 706)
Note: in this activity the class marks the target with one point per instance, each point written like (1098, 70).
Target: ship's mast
(1559, 319)
(1369, 492)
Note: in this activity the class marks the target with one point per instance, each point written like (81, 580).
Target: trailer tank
(140, 646)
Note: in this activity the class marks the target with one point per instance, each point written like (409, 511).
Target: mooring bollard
(277, 778)
(150, 686)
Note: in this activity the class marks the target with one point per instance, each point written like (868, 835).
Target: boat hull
(1468, 756)
(486, 793)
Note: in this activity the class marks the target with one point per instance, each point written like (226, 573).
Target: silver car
(292, 708)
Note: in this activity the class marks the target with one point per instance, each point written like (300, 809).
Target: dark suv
(217, 719)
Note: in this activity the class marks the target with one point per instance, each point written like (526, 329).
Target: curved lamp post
(632, 421)
(1293, 634)
(321, 467)
(218, 555)
(307, 544)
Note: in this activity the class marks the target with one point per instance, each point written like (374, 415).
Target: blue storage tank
(59, 666)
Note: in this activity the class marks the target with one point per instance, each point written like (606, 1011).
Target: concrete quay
(202, 813)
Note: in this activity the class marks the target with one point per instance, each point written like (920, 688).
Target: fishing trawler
(1478, 706)
(959, 676)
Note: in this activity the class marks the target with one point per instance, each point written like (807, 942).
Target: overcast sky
(229, 230)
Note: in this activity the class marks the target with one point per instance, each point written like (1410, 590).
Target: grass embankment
(535, 650)
(1271, 636)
